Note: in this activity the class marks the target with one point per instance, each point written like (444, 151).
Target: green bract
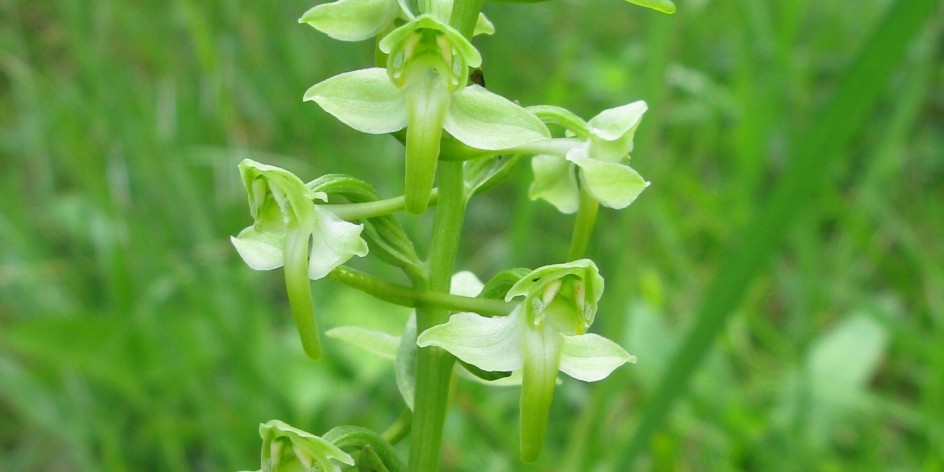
(601, 152)
(424, 90)
(545, 334)
(289, 449)
(288, 224)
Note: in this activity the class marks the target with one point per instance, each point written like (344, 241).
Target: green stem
(399, 429)
(412, 297)
(434, 365)
(361, 211)
(583, 226)
(464, 16)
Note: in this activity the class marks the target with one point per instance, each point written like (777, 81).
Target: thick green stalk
(433, 365)
(413, 297)
(583, 226)
(464, 16)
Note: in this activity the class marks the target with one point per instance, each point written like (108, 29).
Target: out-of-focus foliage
(133, 338)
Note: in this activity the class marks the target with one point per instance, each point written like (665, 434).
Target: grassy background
(804, 334)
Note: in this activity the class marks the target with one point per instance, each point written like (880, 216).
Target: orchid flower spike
(286, 448)
(599, 150)
(288, 224)
(544, 334)
(424, 89)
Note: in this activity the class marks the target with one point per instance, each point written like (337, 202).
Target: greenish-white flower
(286, 448)
(424, 89)
(288, 225)
(544, 334)
(595, 154)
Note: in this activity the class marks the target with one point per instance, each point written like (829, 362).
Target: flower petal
(351, 20)
(591, 357)
(364, 99)
(260, 251)
(488, 121)
(334, 242)
(612, 132)
(614, 185)
(556, 182)
(465, 283)
(492, 344)
(614, 123)
(541, 357)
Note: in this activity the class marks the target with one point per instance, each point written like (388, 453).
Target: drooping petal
(299, 291)
(351, 20)
(614, 185)
(427, 102)
(591, 357)
(492, 344)
(334, 242)
(541, 358)
(364, 99)
(260, 251)
(485, 120)
(380, 343)
(556, 182)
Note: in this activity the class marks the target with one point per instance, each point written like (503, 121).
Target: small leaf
(483, 174)
(486, 375)
(664, 6)
(405, 366)
(364, 99)
(380, 343)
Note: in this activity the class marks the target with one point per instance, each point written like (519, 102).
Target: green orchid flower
(424, 89)
(288, 224)
(286, 448)
(357, 20)
(599, 149)
(544, 334)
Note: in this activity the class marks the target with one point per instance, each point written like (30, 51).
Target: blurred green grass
(132, 337)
